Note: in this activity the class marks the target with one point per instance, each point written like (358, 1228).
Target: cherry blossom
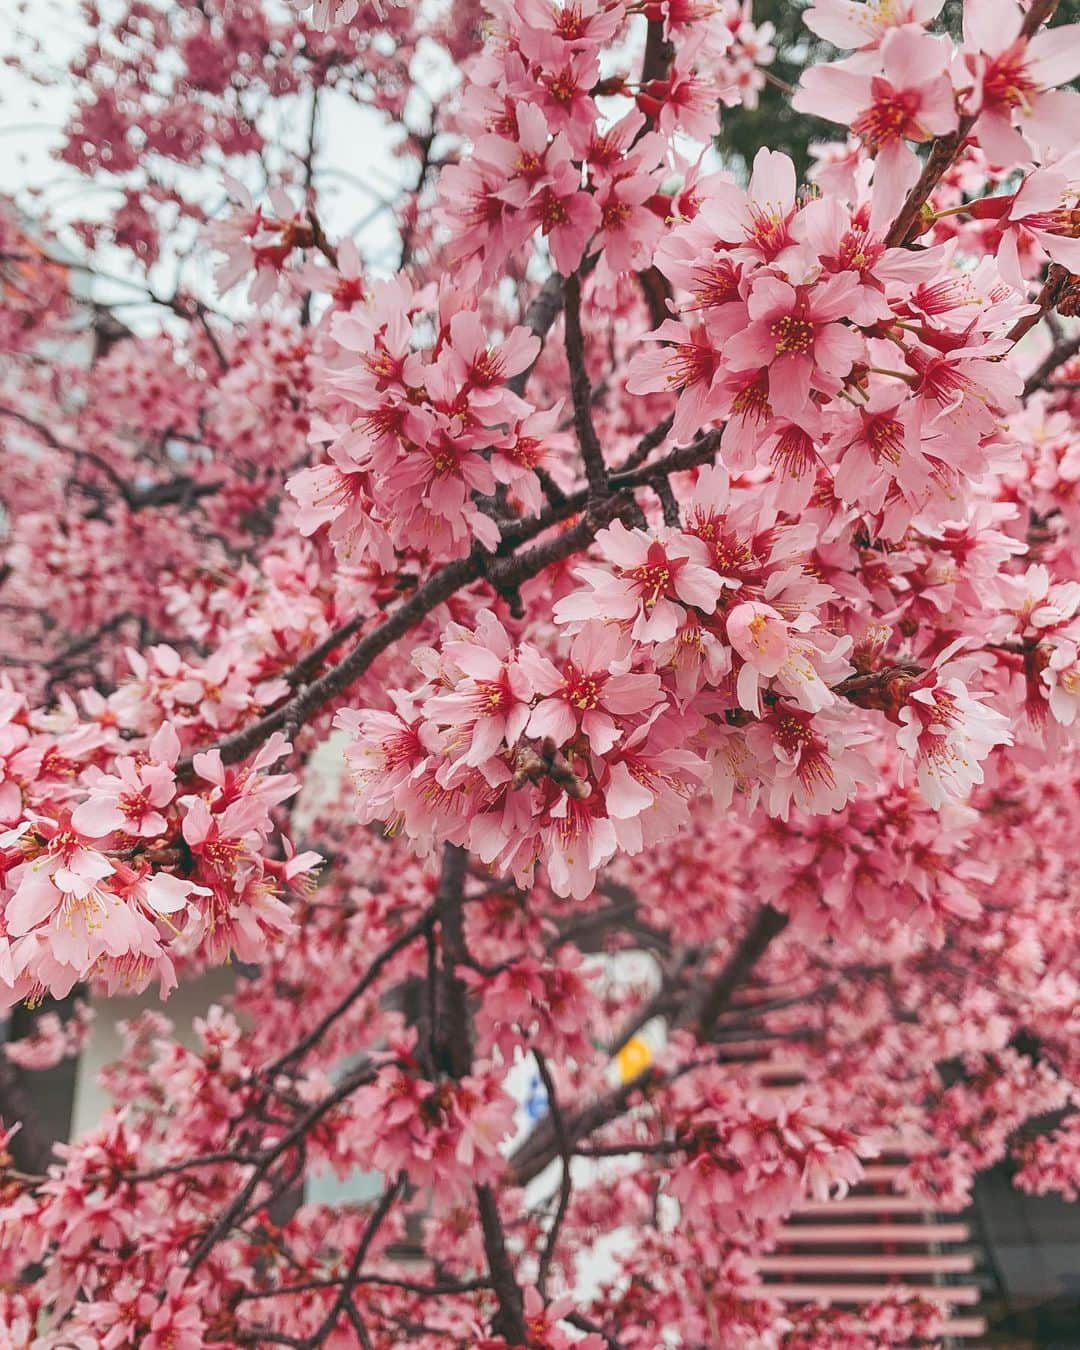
(589, 639)
(911, 99)
(651, 582)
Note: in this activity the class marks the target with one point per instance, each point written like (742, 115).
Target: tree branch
(581, 393)
(700, 1011)
(454, 1052)
(703, 1011)
(565, 1182)
(235, 1211)
(349, 1283)
(180, 490)
(378, 965)
(1057, 356)
(510, 1319)
(504, 573)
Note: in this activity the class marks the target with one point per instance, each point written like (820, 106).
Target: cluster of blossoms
(747, 1162)
(545, 158)
(428, 430)
(112, 865)
(693, 658)
(864, 375)
(689, 562)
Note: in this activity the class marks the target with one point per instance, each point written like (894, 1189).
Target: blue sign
(536, 1102)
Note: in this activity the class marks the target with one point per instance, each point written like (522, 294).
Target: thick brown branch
(509, 1322)
(504, 572)
(453, 1039)
(581, 393)
(452, 1034)
(1057, 356)
(541, 314)
(1057, 278)
(337, 679)
(702, 1012)
(541, 1147)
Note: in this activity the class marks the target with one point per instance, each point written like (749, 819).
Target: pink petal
(97, 817)
(991, 25)
(770, 296)
(630, 693)
(601, 731)
(624, 796)
(553, 718)
(166, 894)
(1054, 55)
(696, 585)
(773, 179)
(912, 57)
(35, 899)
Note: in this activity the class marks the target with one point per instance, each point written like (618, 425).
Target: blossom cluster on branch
(648, 598)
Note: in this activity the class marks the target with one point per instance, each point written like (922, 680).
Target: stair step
(840, 1233)
(901, 1263)
(882, 1171)
(959, 1294)
(866, 1204)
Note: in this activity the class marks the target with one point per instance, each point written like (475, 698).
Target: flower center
(794, 453)
(569, 23)
(443, 460)
(768, 230)
(1007, 82)
(616, 214)
(135, 804)
(552, 212)
(528, 165)
(890, 115)
(583, 691)
(752, 402)
(493, 695)
(690, 363)
(885, 437)
(792, 335)
(487, 368)
(561, 87)
(653, 579)
(858, 250)
(222, 854)
(714, 284)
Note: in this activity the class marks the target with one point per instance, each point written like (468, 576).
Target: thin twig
(565, 1181)
(348, 1284)
(378, 965)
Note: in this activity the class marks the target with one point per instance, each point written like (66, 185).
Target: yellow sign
(633, 1059)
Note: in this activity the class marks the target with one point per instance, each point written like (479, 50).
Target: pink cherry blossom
(588, 692)
(947, 733)
(1016, 78)
(586, 624)
(796, 333)
(910, 100)
(653, 578)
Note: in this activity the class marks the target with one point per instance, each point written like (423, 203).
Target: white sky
(356, 160)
